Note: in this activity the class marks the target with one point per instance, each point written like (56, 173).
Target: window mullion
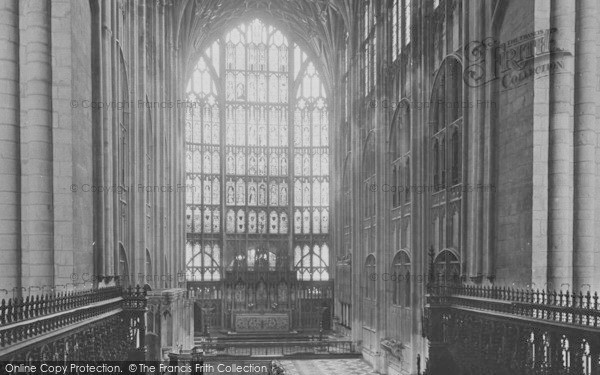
(222, 84)
(291, 109)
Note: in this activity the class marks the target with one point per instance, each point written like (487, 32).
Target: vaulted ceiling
(318, 26)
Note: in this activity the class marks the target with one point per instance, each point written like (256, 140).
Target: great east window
(257, 158)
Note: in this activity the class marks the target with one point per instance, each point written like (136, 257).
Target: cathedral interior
(300, 186)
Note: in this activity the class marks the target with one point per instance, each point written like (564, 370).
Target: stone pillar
(37, 210)
(106, 201)
(158, 126)
(150, 126)
(596, 284)
(114, 129)
(470, 141)
(98, 55)
(9, 144)
(487, 193)
(176, 326)
(170, 97)
(162, 134)
(138, 157)
(540, 164)
(476, 175)
(585, 143)
(474, 126)
(358, 255)
(72, 158)
(381, 248)
(188, 324)
(145, 157)
(560, 167)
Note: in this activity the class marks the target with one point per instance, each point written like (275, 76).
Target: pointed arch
(368, 159)
(124, 271)
(401, 279)
(165, 268)
(148, 264)
(370, 277)
(369, 170)
(447, 266)
(216, 34)
(446, 93)
(400, 130)
(400, 150)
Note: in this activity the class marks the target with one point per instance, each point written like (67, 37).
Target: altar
(268, 322)
(262, 297)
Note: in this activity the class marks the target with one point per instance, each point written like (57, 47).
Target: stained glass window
(273, 157)
(312, 263)
(203, 262)
(252, 222)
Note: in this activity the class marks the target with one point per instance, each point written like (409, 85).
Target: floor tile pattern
(353, 366)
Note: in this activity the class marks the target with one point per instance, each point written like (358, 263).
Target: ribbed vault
(318, 26)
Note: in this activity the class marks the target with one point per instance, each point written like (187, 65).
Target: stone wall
(74, 75)
(47, 143)
(170, 322)
(9, 144)
(531, 145)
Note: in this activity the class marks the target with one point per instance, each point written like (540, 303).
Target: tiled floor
(328, 367)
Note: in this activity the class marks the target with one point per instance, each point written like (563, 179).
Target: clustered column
(37, 263)
(9, 142)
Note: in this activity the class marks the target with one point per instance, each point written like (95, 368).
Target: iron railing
(34, 321)
(499, 330)
(22, 309)
(560, 307)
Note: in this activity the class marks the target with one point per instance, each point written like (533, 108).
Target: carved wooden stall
(100, 324)
(497, 330)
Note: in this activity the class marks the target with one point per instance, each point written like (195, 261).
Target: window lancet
(369, 175)
(447, 267)
(400, 155)
(401, 295)
(446, 155)
(370, 267)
